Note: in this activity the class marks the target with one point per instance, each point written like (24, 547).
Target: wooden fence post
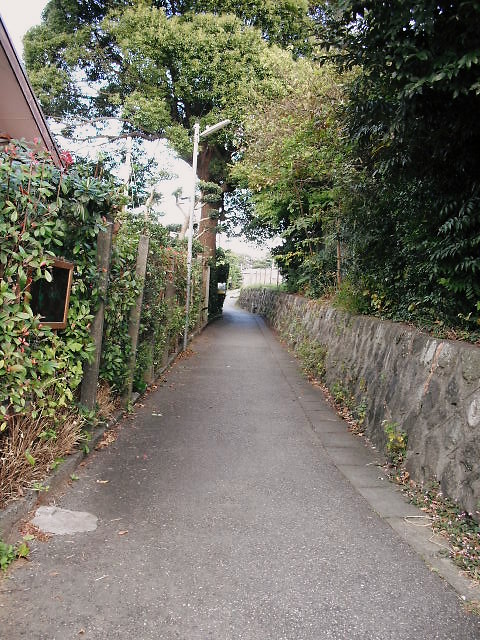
(170, 296)
(135, 312)
(200, 293)
(206, 292)
(88, 395)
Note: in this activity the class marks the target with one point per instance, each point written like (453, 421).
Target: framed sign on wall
(50, 299)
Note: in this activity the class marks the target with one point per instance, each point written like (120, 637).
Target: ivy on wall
(163, 317)
(46, 212)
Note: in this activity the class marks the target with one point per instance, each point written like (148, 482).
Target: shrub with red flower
(66, 158)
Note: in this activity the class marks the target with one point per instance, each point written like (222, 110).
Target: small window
(50, 299)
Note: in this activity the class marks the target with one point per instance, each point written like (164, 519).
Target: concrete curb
(17, 510)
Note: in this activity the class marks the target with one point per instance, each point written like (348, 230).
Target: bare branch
(80, 121)
(113, 138)
(186, 219)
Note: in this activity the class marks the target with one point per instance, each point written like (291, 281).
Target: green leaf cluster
(45, 212)
(162, 318)
(10, 552)
(376, 191)
(158, 65)
(294, 163)
(414, 218)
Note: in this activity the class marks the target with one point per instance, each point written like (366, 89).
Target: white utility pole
(196, 139)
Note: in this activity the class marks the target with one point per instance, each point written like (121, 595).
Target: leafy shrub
(123, 289)
(162, 320)
(44, 212)
(349, 298)
(396, 442)
(313, 356)
(10, 552)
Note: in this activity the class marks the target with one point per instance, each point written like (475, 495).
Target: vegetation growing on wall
(163, 315)
(44, 212)
(415, 222)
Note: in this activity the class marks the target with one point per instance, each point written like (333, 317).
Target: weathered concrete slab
(432, 547)
(365, 475)
(341, 439)
(320, 418)
(328, 425)
(356, 456)
(64, 521)
(417, 530)
(315, 403)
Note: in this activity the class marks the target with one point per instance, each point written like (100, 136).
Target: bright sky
(18, 16)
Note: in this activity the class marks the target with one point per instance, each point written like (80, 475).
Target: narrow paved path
(225, 518)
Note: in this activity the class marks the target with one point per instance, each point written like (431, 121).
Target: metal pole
(207, 271)
(196, 138)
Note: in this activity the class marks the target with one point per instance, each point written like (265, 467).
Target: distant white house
(268, 275)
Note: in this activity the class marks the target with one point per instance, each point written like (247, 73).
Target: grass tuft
(31, 449)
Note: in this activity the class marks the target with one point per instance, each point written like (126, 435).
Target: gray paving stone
(388, 503)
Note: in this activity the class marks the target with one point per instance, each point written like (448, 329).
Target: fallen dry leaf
(107, 439)
(81, 632)
(122, 533)
(102, 481)
(29, 529)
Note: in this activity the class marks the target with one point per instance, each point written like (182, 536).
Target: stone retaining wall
(429, 387)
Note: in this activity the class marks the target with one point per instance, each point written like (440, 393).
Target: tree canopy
(353, 130)
(394, 166)
(156, 64)
(412, 116)
(293, 162)
(157, 67)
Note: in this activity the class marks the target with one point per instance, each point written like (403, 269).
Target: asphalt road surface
(223, 515)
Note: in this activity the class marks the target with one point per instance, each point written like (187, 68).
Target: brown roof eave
(30, 99)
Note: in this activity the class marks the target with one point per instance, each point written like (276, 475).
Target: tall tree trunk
(208, 227)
